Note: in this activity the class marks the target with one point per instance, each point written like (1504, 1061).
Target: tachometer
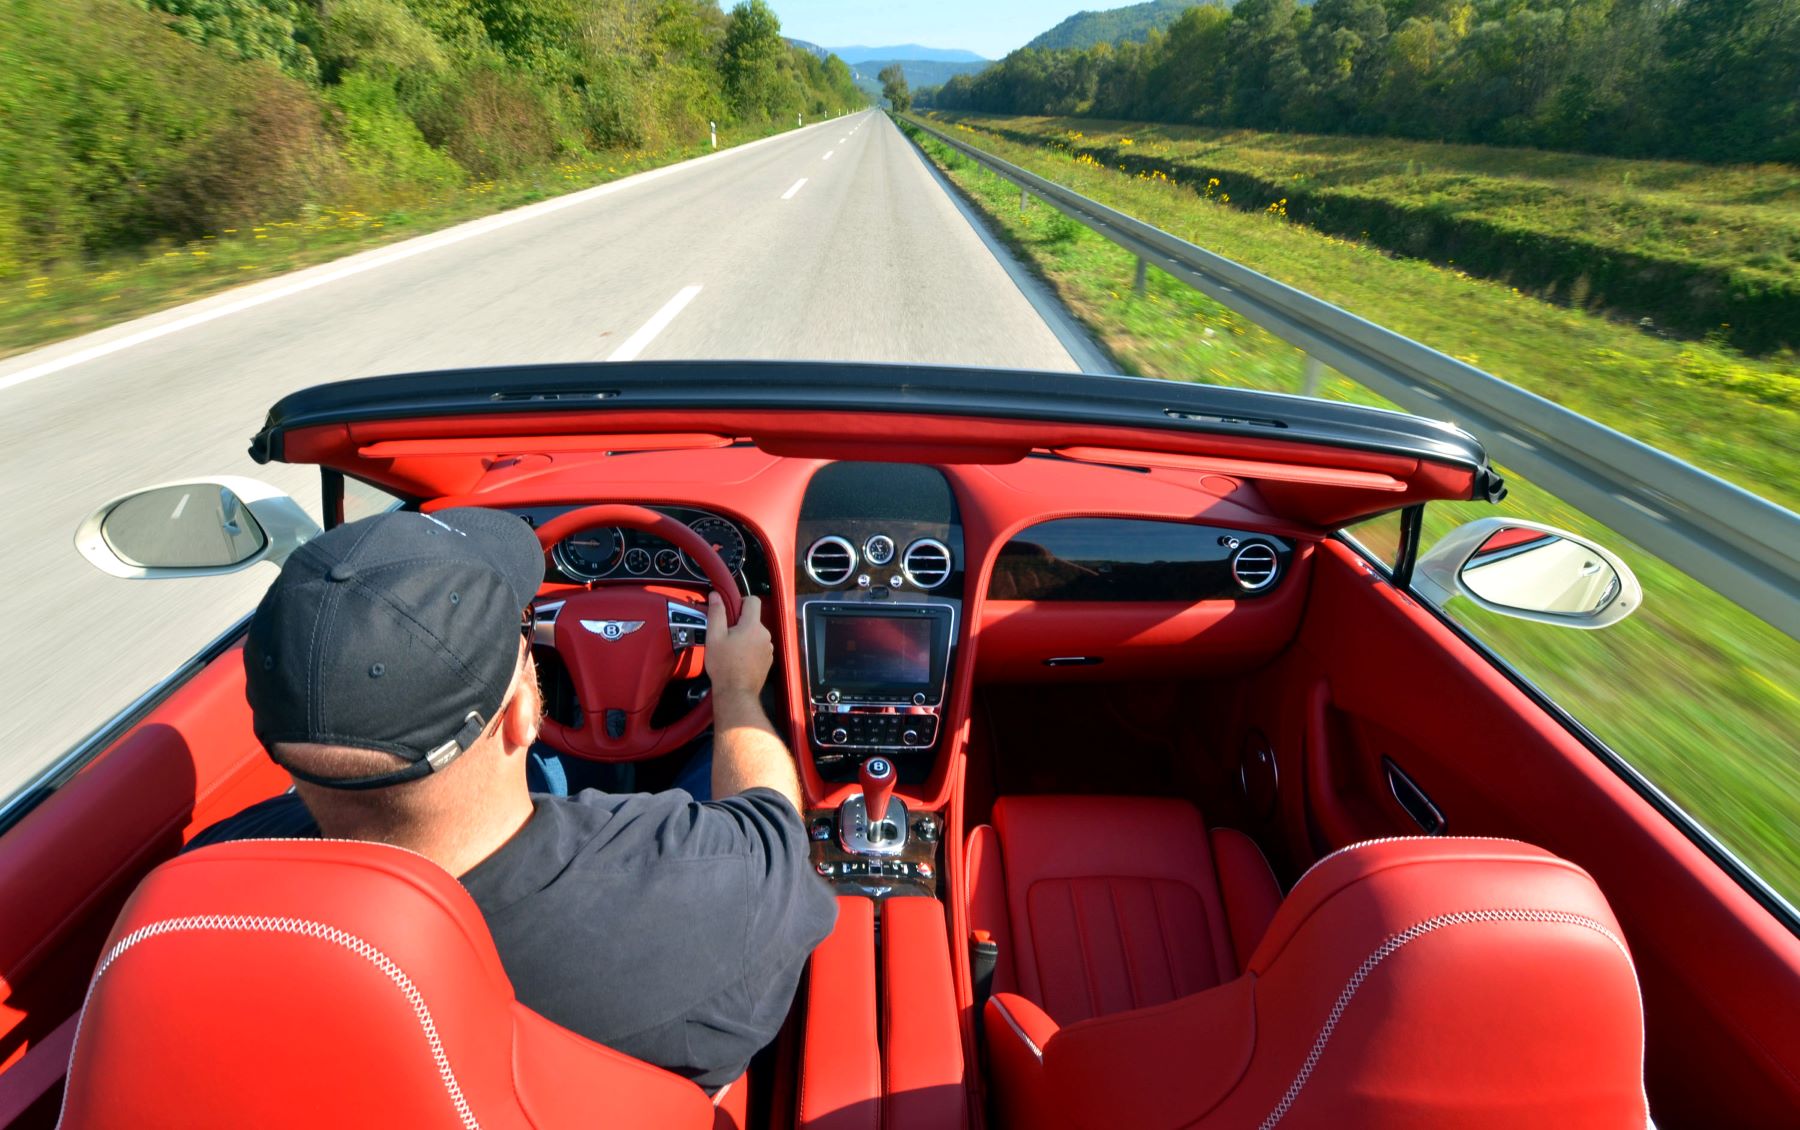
(725, 540)
(590, 554)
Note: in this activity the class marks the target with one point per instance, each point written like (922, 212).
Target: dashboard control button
(832, 696)
(918, 698)
(896, 581)
(840, 735)
(862, 580)
(911, 737)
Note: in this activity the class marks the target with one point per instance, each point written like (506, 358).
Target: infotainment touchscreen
(871, 651)
(872, 654)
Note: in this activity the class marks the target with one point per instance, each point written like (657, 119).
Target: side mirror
(194, 528)
(1530, 571)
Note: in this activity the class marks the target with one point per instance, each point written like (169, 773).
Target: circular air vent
(830, 561)
(1254, 566)
(926, 563)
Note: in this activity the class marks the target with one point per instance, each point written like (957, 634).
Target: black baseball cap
(396, 633)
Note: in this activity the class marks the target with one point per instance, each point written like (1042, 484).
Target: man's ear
(524, 707)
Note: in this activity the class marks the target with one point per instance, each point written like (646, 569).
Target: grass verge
(1695, 692)
(80, 297)
(1700, 249)
(1705, 402)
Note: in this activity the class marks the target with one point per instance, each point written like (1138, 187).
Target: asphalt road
(832, 242)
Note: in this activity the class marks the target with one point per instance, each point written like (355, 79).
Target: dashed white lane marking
(828, 154)
(789, 194)
(179, 507)
(635, 344)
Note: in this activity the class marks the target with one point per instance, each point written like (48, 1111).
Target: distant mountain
(1084, 29)
(821, 52)
(920, 73)
(907, 51)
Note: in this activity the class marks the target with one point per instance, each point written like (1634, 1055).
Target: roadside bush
(381, 141)
(492, 122)
(268, 160)
(380, 38)
(274, 31)
(98, 103)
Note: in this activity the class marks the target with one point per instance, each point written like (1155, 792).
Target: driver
(386, 673)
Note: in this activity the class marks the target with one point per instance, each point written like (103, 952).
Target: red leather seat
(1411, 982)
(1103, 904)
(319, 983)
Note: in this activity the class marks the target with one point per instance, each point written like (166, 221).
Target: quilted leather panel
(1106, 945)
(1113, 903)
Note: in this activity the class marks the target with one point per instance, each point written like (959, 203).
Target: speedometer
(725, 540)
(590, 554)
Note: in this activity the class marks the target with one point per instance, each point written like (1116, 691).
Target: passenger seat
(1150, 975)
(1105, 904)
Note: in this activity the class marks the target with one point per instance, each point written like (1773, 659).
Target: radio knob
(832, 696)
(840, 735)
(918, 698)
(911, 737)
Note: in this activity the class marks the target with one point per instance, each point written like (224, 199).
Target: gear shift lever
(877, 777)
(863, 824)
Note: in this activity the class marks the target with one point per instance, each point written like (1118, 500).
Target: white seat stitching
(1000, 1007)
(303, 928)
(1393, 945)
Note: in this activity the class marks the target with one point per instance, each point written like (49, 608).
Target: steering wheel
(624, 643)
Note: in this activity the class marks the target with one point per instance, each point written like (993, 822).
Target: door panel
(1720, 974)
(68, 866)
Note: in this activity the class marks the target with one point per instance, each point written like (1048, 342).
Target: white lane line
(828, 154)
(635, 344)
(352, 265)
(789, 194)
(179, 507)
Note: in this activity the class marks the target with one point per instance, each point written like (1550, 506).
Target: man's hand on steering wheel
(737, 658)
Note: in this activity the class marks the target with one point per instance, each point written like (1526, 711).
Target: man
(386, 673)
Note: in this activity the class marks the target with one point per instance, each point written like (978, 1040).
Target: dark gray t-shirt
(669, 930)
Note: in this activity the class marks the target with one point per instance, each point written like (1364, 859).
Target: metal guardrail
(1742, 546)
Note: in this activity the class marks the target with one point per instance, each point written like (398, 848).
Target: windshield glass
(206, 207)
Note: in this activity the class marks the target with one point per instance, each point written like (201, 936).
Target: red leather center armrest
(840, 1064)
(924, 1036)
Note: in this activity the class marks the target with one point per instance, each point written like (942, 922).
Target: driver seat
(296, 983)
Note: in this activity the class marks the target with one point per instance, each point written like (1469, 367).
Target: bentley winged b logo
(612, 629)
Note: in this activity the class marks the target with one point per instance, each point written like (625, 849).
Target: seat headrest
(315, 983)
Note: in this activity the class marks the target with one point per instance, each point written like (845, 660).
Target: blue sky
(987, 27)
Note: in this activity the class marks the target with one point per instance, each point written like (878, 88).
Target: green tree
(753, 53)
(893, 87)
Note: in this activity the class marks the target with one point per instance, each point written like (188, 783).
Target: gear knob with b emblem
(877, 777)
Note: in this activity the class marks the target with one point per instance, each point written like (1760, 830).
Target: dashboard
(878, 569)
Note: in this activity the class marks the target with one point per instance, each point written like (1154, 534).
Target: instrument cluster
(609, 553)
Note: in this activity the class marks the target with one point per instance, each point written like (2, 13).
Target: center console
(876, 672)
(879, 594)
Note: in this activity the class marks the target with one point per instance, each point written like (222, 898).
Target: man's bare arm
(747, 751)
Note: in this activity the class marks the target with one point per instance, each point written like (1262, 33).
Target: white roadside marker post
(712, 128)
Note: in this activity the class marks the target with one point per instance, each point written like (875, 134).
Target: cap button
(342, 571)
